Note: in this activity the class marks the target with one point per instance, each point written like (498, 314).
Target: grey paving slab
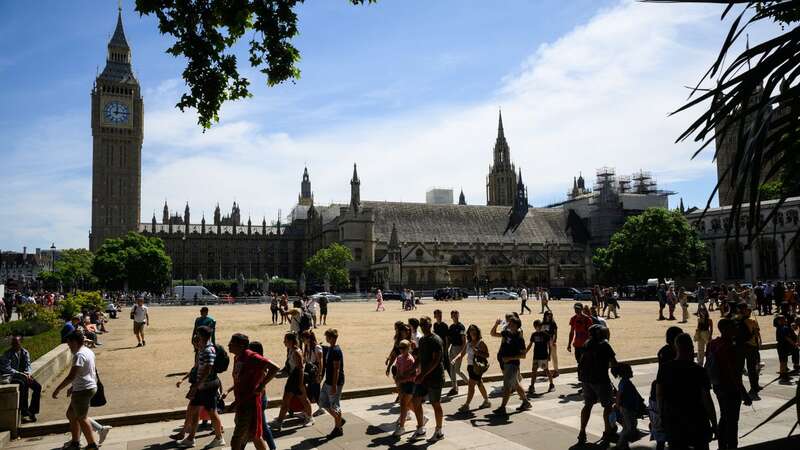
(552, 423)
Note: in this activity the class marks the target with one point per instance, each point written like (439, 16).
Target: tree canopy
(205, 33)
(331, 263)
(135, 259)
(74, 267)
(655, 244)
(753, 97)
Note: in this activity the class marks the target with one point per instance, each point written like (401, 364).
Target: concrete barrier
(50, 366)
(9, 413)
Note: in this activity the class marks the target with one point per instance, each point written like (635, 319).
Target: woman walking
(477, 362)
(703, 333)
(312, 369)
(379, 300)
(549, 326)
(294, 389)
(683, 300)
(273, 308)
(404, 378)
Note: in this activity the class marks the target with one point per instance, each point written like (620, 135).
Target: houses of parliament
(393, 243)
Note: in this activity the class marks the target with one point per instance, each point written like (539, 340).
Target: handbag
(99, 397)
(480, 365)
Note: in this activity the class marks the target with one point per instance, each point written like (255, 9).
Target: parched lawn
(139, 379)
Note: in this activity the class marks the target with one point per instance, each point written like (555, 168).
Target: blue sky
(407, 89)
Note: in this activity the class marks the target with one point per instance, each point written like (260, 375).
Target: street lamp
(783, 246)
(183, 269)
(52, 257)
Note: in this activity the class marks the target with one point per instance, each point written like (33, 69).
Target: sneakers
(452, 392)
(176, 436)
(524, 406)
(139, 344)
(103, 433)
(185, 443)
(438, 435)
(420, 433)
(399, 431)
(500, 411)
(335, 433)
(485, 404)
(217, 442)
(71, 445)
(308, 422)
(144, 343)
(463, 408)
(204, 426)
(531, 391)
(551, 388)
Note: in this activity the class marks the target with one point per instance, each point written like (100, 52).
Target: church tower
(117, 133)
(306, 197)
(502, 179)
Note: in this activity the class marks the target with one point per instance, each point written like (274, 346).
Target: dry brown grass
(139, 379)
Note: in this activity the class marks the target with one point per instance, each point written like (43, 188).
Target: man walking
(141, 318)
(700, 296)
(331, 393)
(206, 321)
(15, 368)
(578, 331)
(748, 343)
(251, 373)
(203, 393)
(83, 380)
(512, 350)
(726, 379)
(523, 298)
(429, 379)
(597, 358)
(456, 338)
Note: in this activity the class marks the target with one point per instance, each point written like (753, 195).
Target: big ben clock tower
(117, 133)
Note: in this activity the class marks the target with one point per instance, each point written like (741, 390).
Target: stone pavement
(552, 423)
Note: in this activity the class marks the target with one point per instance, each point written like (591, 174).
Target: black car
(392, 295)
(450, 293)
(564, 292)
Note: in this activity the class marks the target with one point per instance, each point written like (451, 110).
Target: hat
(577, 306)
(77, 317)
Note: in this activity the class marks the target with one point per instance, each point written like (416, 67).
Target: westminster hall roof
(422, 222)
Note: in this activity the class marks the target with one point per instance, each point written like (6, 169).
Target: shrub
(75, 303)
(33, 312)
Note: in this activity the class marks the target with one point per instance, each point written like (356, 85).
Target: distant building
(613, 199)
(439, 196)
(20, 269)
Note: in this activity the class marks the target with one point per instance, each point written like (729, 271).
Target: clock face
(116, 112)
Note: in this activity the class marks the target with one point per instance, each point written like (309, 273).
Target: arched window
(734, 258)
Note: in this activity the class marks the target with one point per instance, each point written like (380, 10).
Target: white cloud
(598, 96)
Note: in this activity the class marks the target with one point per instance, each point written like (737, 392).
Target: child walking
(629, 403)
(540, 341)
(406, 373)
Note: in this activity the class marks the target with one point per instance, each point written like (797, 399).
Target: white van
(194, 294)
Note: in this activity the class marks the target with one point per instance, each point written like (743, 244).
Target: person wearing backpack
(725, 372)
(204, 392)
(597, 358)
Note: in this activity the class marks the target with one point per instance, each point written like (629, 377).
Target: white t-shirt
(86, 376)
(139, 313)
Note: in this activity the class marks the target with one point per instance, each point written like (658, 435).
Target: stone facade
(394, 244)
(730, 259)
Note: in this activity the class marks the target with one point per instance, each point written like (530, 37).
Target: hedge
(37, 345)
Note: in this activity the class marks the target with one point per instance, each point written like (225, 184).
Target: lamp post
(783, 246)
(183, 269)
(258, 260)
(52, 257)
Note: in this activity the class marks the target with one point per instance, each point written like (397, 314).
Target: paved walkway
(552, 424)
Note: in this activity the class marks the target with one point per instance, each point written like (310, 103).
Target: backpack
(222, 360)
(305, 320)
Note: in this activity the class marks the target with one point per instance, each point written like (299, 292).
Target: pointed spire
(500, 131)
(394, 242)
(355, 190)
(461, 199)
(355, 173)
(118, 39)
(681, 207)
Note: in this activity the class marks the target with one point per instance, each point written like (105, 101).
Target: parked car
(584, 296)
(449, 293)
(328, 295)
(392, 295)
(501, 294)
(565, 292)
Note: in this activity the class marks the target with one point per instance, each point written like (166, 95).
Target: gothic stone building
(393, 244)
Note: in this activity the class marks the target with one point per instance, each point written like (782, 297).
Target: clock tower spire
(117, 133)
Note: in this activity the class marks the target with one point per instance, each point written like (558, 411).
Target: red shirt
(580, 325)
(248, 372)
